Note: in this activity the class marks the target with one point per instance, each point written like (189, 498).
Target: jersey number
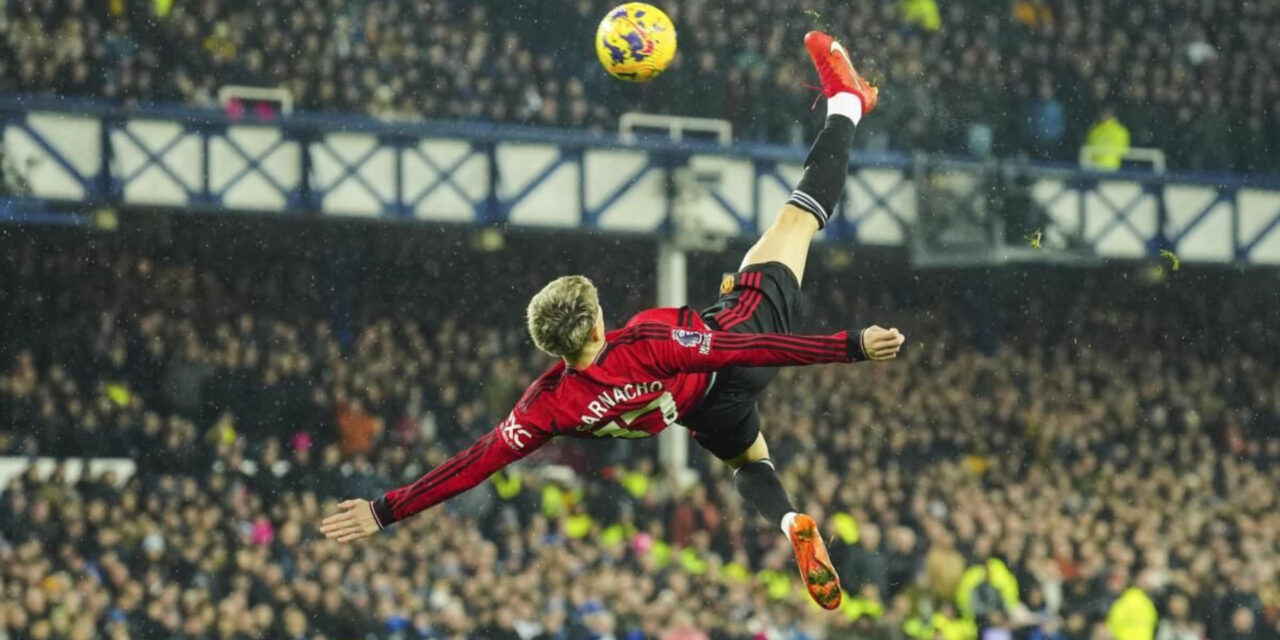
(665, 403)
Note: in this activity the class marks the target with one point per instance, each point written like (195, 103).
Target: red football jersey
(647, 376)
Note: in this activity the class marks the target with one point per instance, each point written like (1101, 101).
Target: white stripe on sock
(786, 522)
(845, 104)
(807, 200)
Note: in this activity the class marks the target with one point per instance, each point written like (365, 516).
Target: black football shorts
(762, 298)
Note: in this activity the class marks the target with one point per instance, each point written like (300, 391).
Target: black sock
(825, 170)
(758, 484)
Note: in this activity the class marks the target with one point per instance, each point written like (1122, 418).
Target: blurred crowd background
(1036, 78)
(1060, 454)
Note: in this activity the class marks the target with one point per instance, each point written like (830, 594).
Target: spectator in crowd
(1176, 623)
(1191, 76)
(1107, 143)
(1046, 122)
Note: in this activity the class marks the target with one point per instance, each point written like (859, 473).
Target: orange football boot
(837, 72)
(815, 565)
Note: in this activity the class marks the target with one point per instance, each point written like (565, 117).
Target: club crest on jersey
(692, 339)
(726, 285)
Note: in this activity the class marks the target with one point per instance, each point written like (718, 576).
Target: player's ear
(598, 331)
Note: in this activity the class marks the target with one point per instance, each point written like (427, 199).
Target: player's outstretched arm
(682, 350)
(508, 442)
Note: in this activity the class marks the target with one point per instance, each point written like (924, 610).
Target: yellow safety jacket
(508, 485)
(1107, 141)
(998, 573)
(846, 527)
(961, 629)
(1132, 616)
(578, 526)
(692, 562)
(922, 13)
(636, 484)
(855, 608)
(777, 583)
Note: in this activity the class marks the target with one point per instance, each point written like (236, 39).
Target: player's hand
(880, 343)
(353, 521)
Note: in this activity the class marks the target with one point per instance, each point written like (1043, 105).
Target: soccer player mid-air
(667, 366)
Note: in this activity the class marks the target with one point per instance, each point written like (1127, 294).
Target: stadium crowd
(1196, 78)
(1059, 457)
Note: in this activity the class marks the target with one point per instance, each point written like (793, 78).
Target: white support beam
(673, 291)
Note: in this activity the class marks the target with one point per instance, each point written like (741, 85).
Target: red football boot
(815, 565)
(837, 72)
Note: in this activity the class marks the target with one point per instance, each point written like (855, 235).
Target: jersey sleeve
(676, 350)
(507, 443)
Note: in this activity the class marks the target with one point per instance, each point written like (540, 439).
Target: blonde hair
(560, 317)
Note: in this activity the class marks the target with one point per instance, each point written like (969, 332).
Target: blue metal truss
(746, 220)
(1224, 195)
(591, 215)
(444, 178)
(350, 170)
(392, 197)
(879, 201)
(253, 166)
(1120, 217)
(566, 156)
(746, 223)
(152, 160)
(91, 184)
(1244, 250)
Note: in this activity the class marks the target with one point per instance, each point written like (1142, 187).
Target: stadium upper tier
(1196, 79)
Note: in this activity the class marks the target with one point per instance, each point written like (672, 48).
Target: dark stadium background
(1070, 448)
